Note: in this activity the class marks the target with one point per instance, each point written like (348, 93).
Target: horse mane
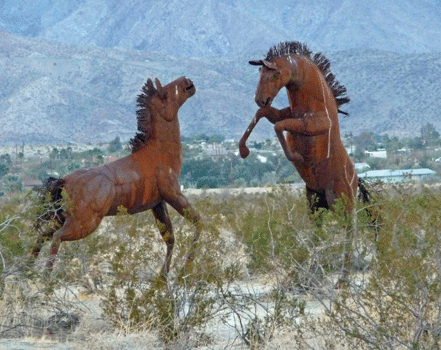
(297, 48)
(143, 117)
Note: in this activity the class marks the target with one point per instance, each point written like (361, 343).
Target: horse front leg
(243, 149)
(184, 208)
(171, 193)
(165, 228)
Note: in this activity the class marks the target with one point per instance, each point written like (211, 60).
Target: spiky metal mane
(143, 116)
(297, 48)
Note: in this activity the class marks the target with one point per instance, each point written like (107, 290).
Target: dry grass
(263, 275)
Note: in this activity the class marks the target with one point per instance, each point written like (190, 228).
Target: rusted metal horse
(312, 141)
(148, 178)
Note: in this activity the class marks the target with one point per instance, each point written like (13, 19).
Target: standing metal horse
(312, 142)
(146, 179)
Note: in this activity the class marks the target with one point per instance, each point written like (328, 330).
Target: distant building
(397, 176)
(377, 154)
(361, 167)
(262, 158)
(29, 183)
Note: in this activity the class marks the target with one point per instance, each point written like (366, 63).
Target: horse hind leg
(349, 226)
(324, 200)
(40, 241)
(317, 206)
(72, 230)
(53, 216)
(44, 236)
(165, 228)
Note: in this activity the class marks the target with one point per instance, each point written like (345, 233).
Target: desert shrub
(31, 303)
(395, 304)
(12, 183)
(17, 215)
(37, 304)
(145, 300)
(268, 226)
(282, 237)
(391, 299)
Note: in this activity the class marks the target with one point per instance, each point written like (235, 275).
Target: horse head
(274, 75)
(159, 103)
(167, 99)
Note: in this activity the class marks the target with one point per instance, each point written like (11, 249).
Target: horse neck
(166, 135)
(309, 85)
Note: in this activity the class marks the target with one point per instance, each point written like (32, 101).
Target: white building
(397, 176)
(377, 154)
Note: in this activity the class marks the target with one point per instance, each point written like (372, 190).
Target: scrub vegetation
(262, 270)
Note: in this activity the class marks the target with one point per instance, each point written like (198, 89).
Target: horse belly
(313, 149)
(314, 152)
(135, 197)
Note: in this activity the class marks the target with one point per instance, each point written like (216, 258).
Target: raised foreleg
(308, 124)
(272, 114)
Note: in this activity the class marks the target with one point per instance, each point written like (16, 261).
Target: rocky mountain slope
(226, 28)
(73, 71)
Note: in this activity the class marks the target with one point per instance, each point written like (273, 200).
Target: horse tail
(50, 198)
(363, 192)
(366, 197)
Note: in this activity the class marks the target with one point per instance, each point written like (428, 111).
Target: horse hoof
(244, 151)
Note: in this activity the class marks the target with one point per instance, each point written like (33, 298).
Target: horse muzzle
(190, 89)
(263, 102)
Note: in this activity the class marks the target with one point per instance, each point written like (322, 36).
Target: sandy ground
(93, 333)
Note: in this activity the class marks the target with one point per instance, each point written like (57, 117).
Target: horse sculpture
(148, 178)
(312, 141)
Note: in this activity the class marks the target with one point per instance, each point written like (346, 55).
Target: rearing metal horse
(146, 179)
(312, 141)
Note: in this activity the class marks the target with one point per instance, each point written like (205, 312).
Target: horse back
(103, 190)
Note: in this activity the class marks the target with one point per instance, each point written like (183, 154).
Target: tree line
(266, 164)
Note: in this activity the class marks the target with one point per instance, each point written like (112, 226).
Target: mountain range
(70, 70)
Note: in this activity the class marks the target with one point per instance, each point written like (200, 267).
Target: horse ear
(160, 89)
(158, 84)
(269, 64)
(265, 63)
(150, 86)
(256, 63)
